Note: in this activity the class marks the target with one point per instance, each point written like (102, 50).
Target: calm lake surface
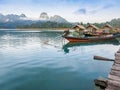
(42, 60)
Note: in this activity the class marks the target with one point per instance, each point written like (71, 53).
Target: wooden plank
(111, 87)
(114, 83)
(114, 72)
(118, 51)
(117, 68)
(113, 77)
(108, 89)
(117, 54)
(117, 64)
(117, 58)
(117, 61)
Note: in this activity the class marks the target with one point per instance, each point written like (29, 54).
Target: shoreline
(36, 29)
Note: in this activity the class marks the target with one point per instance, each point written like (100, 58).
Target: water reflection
(35, 60)
(22, 38)
(66, 47)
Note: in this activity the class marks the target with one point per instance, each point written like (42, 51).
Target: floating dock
(114, 76)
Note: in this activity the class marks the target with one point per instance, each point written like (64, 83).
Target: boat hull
(118, 39)
(91, 39)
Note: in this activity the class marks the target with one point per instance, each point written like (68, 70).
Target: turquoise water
(42, 60)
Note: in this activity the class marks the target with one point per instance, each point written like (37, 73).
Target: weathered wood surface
(102, 58)
(114, 76)
(114, 72)
(102, 83)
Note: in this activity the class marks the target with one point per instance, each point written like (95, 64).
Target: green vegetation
(48, 24)
(115, 23)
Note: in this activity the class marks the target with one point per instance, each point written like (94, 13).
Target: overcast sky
(72, 10)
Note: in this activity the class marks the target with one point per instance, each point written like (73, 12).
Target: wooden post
(103, 58)
(101, 83)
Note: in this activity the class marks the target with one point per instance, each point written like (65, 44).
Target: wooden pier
(114, 76)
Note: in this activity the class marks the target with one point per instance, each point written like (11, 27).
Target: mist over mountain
(57, 18)
(44, 16)
(44, 21)
(14, 21)
(11, 17)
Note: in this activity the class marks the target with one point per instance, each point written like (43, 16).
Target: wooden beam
(103, 58)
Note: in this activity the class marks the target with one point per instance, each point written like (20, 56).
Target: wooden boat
(96, 34)
(88, 35)
(117, 36)
(93, 38)
(118, 39)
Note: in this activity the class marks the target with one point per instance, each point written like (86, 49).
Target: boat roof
(81, 27)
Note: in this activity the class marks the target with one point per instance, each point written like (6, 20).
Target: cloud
(102, 8)
(81, 11)
(93, 11)
(107, 6)
(90, 8)
(71, 0)
(84, 11)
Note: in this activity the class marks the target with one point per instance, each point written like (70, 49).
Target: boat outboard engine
(66, 32)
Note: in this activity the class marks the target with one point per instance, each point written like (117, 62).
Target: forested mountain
(115, 23)
(49, 24)
(22, 21)
(15, 24)
(44, 21)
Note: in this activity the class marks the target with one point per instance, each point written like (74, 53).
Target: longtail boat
(88, 35)
(93, 38)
